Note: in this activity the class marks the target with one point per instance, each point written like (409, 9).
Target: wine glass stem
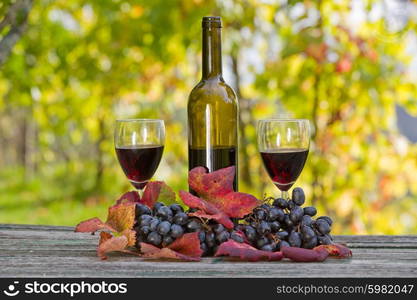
(284, 195)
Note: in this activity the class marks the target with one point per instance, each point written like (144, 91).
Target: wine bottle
(212, 110)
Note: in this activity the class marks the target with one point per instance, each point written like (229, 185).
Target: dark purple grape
(263, 228)
(287, 221)
(311, 243)
(218, 228)
(327, 219)
(260, 214)
(281, 203)
(154, 224)
(176, 231)
(166, 240)
(298, 196)
(180, 218)
(164, 227)
(202, 236)
(144, 230)
(282, 235)
(210, 239)
(265, 206)
(194, 225)
(283, 244)
(307, 232)
(204, 248)
(273, 214)
(156, 206)
(290, 204)
(275, 226)
(176, 208)
(236, 237)
(322, 226)
(250, 233)
(296, 214)
(294, 239)
(268, 247)
(145, 220)
(222, 236)
(281, 215)
(306, 221)
(325, 240)
(164, 212)
(310, 210)
(262, 241)
(154, 238)
(142, 209)
(240, 227)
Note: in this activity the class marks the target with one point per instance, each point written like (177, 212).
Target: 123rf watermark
(71, 289)
(365, 289)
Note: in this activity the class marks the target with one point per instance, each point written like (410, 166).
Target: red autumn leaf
(246, 252)
(109, 243)
(336, 250)
(132, 196)
(186, 248)
(206, 209)
(216, 191)
(157, 191)
(304, 255)
(92, 225)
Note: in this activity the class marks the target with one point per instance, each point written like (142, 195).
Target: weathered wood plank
(31, 251)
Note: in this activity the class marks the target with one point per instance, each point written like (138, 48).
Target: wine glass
(139, 146)
(283, 144)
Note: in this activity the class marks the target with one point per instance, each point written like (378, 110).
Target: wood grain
(56, 251)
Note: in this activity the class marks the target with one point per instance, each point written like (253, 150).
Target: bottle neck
(212, 52)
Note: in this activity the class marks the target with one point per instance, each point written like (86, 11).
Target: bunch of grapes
(286, 223)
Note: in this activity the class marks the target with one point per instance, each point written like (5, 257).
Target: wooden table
(56, 251)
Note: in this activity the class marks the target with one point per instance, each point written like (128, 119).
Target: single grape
(298, 196)
(222, 236)
(283, 244)
(145, 220)
(325, 239)
(142, 209)
(210, 239)
(281, 203)
(180, 218)
(263, 228)
(322, 226)
(154, 238)
(310, 210)
(275, 226)
(154, 224)
(311, 243)
(144, 230)
(290, 204)
(236, 237)
(306, 221)
(260, 214)
(218, 228)
(327, 219)
(166, 240)
(296, 214)
(164, 212)
(262, 241)
(176, 231)
(240, 227)
(268, 247)
(194, 225)
(164, 227)
(202, 236)
(250, 233)
(282, 235)
(156, 206)
(294, 239)
(204, 248)
(265, 206)
(308, 233)
(273, 214)
(176, 208)
(280, 215)
(287, 221)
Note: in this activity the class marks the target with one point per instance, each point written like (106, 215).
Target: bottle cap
(210, 22)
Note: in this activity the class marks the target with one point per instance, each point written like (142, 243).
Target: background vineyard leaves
(81, 64)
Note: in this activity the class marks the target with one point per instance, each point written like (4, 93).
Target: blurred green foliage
(82, 64)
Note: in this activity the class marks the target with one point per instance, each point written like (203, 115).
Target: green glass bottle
(213, 109)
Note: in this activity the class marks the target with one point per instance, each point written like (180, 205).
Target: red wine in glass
(284, 165)
(139, 162)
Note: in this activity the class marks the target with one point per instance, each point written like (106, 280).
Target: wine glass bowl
(139, 146)
(283, 145)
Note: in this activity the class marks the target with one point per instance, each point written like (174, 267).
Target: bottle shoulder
(215, 87)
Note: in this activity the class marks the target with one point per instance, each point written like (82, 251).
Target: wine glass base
(140, 185)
